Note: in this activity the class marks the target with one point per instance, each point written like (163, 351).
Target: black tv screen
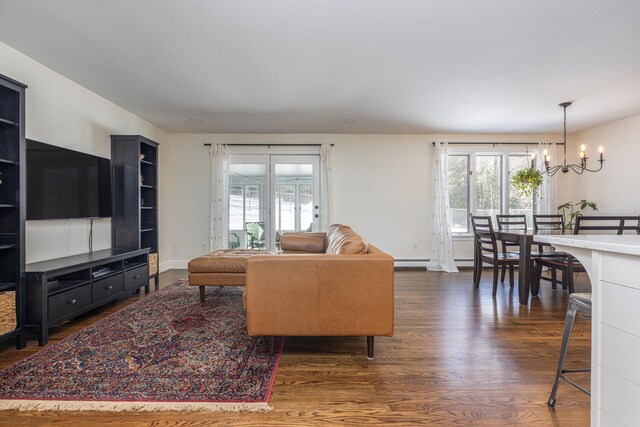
(63, 183)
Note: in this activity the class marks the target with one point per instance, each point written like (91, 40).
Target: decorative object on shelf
(141, 156)
(153, 263)
(141, 179)
(564, 167)
(141, 202)
(527, 180)
(570, 211)
(7, 312)
(0, 178)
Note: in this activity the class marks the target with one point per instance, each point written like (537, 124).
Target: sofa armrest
(315, 295)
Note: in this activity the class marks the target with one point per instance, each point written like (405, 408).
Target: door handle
(137, 277)
(73, 301)
(109, 287)
(316, 215)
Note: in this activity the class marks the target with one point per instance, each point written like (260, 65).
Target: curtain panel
(326, 186)
(441, 258)
(219, 233)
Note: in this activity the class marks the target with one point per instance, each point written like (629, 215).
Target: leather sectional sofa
(322, 284)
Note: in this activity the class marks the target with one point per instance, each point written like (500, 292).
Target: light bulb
(545, 152)
(548, 158)
(582, 154)
(583, 148)
(601, 149)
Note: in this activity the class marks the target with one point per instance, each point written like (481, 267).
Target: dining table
(525, 239)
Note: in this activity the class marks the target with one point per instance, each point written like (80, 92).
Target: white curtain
(441, 258)
(326, 186)
(219, 233)
(549, 188)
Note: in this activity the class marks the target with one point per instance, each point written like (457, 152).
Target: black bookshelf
(134, 163)
(12, 210)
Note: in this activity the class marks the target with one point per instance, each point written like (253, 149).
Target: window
(479, 183)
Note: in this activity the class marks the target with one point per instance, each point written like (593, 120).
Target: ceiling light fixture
(349, 120)
(564, 167)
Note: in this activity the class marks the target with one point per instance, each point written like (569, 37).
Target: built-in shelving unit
(134, 163)
(12, 213)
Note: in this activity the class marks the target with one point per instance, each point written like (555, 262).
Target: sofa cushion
(303, 242)
(223, 261)
(343, 240)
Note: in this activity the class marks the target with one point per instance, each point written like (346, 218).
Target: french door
(270, 195)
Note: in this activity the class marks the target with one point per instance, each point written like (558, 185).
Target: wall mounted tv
(63, 183)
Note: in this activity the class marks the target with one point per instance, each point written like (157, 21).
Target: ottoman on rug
(224, 267)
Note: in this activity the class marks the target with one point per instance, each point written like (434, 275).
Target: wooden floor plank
(458, 357)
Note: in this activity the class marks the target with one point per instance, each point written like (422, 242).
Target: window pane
(306, 207)
(488, 185)
(252, 203)
(458, 177)
(519, 204)
(286, 208)
(236, 217)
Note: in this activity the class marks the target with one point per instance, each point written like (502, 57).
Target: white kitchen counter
(613, 265)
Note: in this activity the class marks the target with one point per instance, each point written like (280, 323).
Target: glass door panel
(295, 205)
(247, 204)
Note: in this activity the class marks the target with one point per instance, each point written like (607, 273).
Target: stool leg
(566, 335)
(201, 293)
(504, 271)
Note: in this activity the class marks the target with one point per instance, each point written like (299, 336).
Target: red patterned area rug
(165, 352)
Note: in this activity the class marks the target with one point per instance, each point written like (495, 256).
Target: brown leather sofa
(322, 284)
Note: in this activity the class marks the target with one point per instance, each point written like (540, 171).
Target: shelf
(144, 230)
(7, 286)
(8, 205)
(55, 287)
(9, 162)
(145, 162)
(133, 265)
(147, 207)
(11, 246)
(8, 122)
(146, 186)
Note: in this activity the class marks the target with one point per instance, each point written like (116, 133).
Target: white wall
(615, 187)
(382, 187)
(63, 113)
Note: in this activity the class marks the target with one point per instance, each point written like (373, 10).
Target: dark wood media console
(63, 288)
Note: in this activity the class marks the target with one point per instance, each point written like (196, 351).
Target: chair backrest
(485, 239)
(548, 222)
(511, 222)
(255, 229)
(607, 224)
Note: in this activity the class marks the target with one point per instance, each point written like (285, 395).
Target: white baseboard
(400, 263)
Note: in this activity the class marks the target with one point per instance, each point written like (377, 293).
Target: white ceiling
(303, 66)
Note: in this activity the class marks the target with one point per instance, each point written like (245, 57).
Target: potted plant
(570, 211)
(527, 180)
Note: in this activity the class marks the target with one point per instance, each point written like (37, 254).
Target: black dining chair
(486, 250)
(510, 222)
(542, 223)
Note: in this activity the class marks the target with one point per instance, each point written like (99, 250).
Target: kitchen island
(613, 266)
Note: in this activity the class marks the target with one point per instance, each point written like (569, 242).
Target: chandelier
(564, 167)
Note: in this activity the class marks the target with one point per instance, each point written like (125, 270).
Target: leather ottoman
(224, 267)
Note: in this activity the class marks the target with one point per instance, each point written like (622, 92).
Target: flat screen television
(63, 183)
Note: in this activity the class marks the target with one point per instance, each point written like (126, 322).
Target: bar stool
(578, 302)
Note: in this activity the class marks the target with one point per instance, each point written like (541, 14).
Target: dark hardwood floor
(458, 357)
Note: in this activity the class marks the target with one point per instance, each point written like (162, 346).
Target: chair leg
(511, 279)
(566, 335)
(478, 275)
(504, 271)
(495, 280)
(554, 278)
(570, 276)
